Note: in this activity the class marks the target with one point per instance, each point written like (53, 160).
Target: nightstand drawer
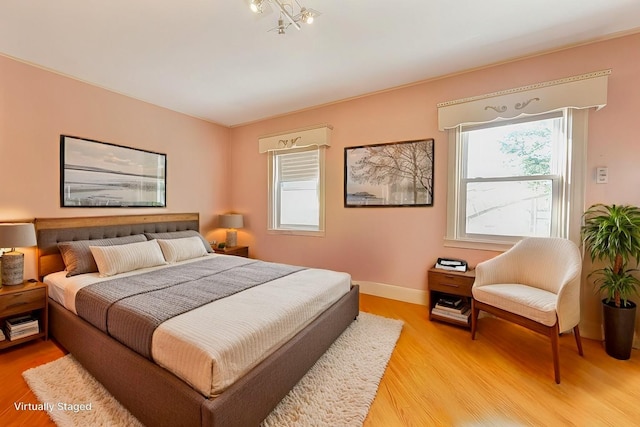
(450, 283)
(20, 302)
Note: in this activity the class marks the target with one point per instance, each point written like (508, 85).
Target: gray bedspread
(130, 308)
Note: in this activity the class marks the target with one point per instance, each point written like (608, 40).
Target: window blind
(302, 166)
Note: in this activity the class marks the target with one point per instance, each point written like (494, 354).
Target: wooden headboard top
(50, 231)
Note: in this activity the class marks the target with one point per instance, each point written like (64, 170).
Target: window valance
(315, 135)
(583, 91)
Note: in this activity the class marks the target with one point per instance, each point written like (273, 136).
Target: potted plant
(611, 233)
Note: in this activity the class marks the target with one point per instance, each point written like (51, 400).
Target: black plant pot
(619, 324)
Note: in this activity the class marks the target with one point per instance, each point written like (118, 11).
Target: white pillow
(122, 258)
(175, 250)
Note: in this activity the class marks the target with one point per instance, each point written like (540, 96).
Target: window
(296, 193)
(517, 161)
(511, 179)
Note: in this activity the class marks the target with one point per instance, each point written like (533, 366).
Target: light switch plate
(602, 175)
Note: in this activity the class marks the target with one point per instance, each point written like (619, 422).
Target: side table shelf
(447, 283)
(18, 300)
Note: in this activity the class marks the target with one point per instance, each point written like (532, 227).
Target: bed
(154, 394)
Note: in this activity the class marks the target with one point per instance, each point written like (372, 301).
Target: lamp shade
(17, 235)
(231, 221)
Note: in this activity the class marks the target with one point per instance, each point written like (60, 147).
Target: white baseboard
(413, 296)
(588, 329)
(591, 330)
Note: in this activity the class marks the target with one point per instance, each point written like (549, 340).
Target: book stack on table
(21, 327)
(452, 307)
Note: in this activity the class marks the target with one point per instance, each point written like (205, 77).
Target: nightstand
(242, 251)
(450, 283)
(20, 300)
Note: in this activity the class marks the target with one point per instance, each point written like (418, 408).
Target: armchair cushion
(533, 303)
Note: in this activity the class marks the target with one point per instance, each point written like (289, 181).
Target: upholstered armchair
(535, 284)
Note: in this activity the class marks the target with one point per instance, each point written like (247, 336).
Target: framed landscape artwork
(99, 174)
(397, 174)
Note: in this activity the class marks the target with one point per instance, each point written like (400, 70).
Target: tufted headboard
(50, 231)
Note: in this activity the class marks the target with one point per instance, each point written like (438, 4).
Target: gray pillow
(77, 256)
(179, 235)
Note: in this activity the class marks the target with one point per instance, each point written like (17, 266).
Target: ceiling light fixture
(289, 9)
(256, 6)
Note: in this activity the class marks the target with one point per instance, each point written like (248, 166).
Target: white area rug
(338, 390)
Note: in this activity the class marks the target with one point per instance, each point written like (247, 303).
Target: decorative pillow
(175, 250)
(122, 258)
(179, 235)
(78, 258)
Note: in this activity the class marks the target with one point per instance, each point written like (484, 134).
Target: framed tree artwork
(96, 174)
(397, 174)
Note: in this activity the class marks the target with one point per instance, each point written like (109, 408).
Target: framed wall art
(397, 174)
(97, 174)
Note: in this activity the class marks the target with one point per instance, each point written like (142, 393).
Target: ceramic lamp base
(232, 238)
(12, 268)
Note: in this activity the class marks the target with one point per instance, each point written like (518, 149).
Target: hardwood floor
(13, 388)
(437, 376)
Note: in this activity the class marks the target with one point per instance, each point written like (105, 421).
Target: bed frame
(152, 394)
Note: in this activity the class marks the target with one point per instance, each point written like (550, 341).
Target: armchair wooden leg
(474, 318)
(554, 334)
(576, 333)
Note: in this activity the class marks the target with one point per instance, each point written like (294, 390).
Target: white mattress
(214, 345)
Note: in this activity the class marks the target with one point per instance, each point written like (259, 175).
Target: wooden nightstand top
(233, 250)
(26, 286)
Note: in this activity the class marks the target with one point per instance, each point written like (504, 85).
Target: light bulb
(307, 16)
(256, 6)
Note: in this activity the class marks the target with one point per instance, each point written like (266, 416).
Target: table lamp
(15, 235)
(231, 222)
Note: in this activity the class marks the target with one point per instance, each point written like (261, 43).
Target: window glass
(515, 208)
(511, 178)
(299, 204)
(520, 149)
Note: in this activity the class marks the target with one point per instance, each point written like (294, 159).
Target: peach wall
(36, 106)
(397, 245)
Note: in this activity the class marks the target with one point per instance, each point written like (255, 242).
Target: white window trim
(574, 187)
(271, 218)
(317, 136)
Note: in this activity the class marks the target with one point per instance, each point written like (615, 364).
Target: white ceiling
(216, 60)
